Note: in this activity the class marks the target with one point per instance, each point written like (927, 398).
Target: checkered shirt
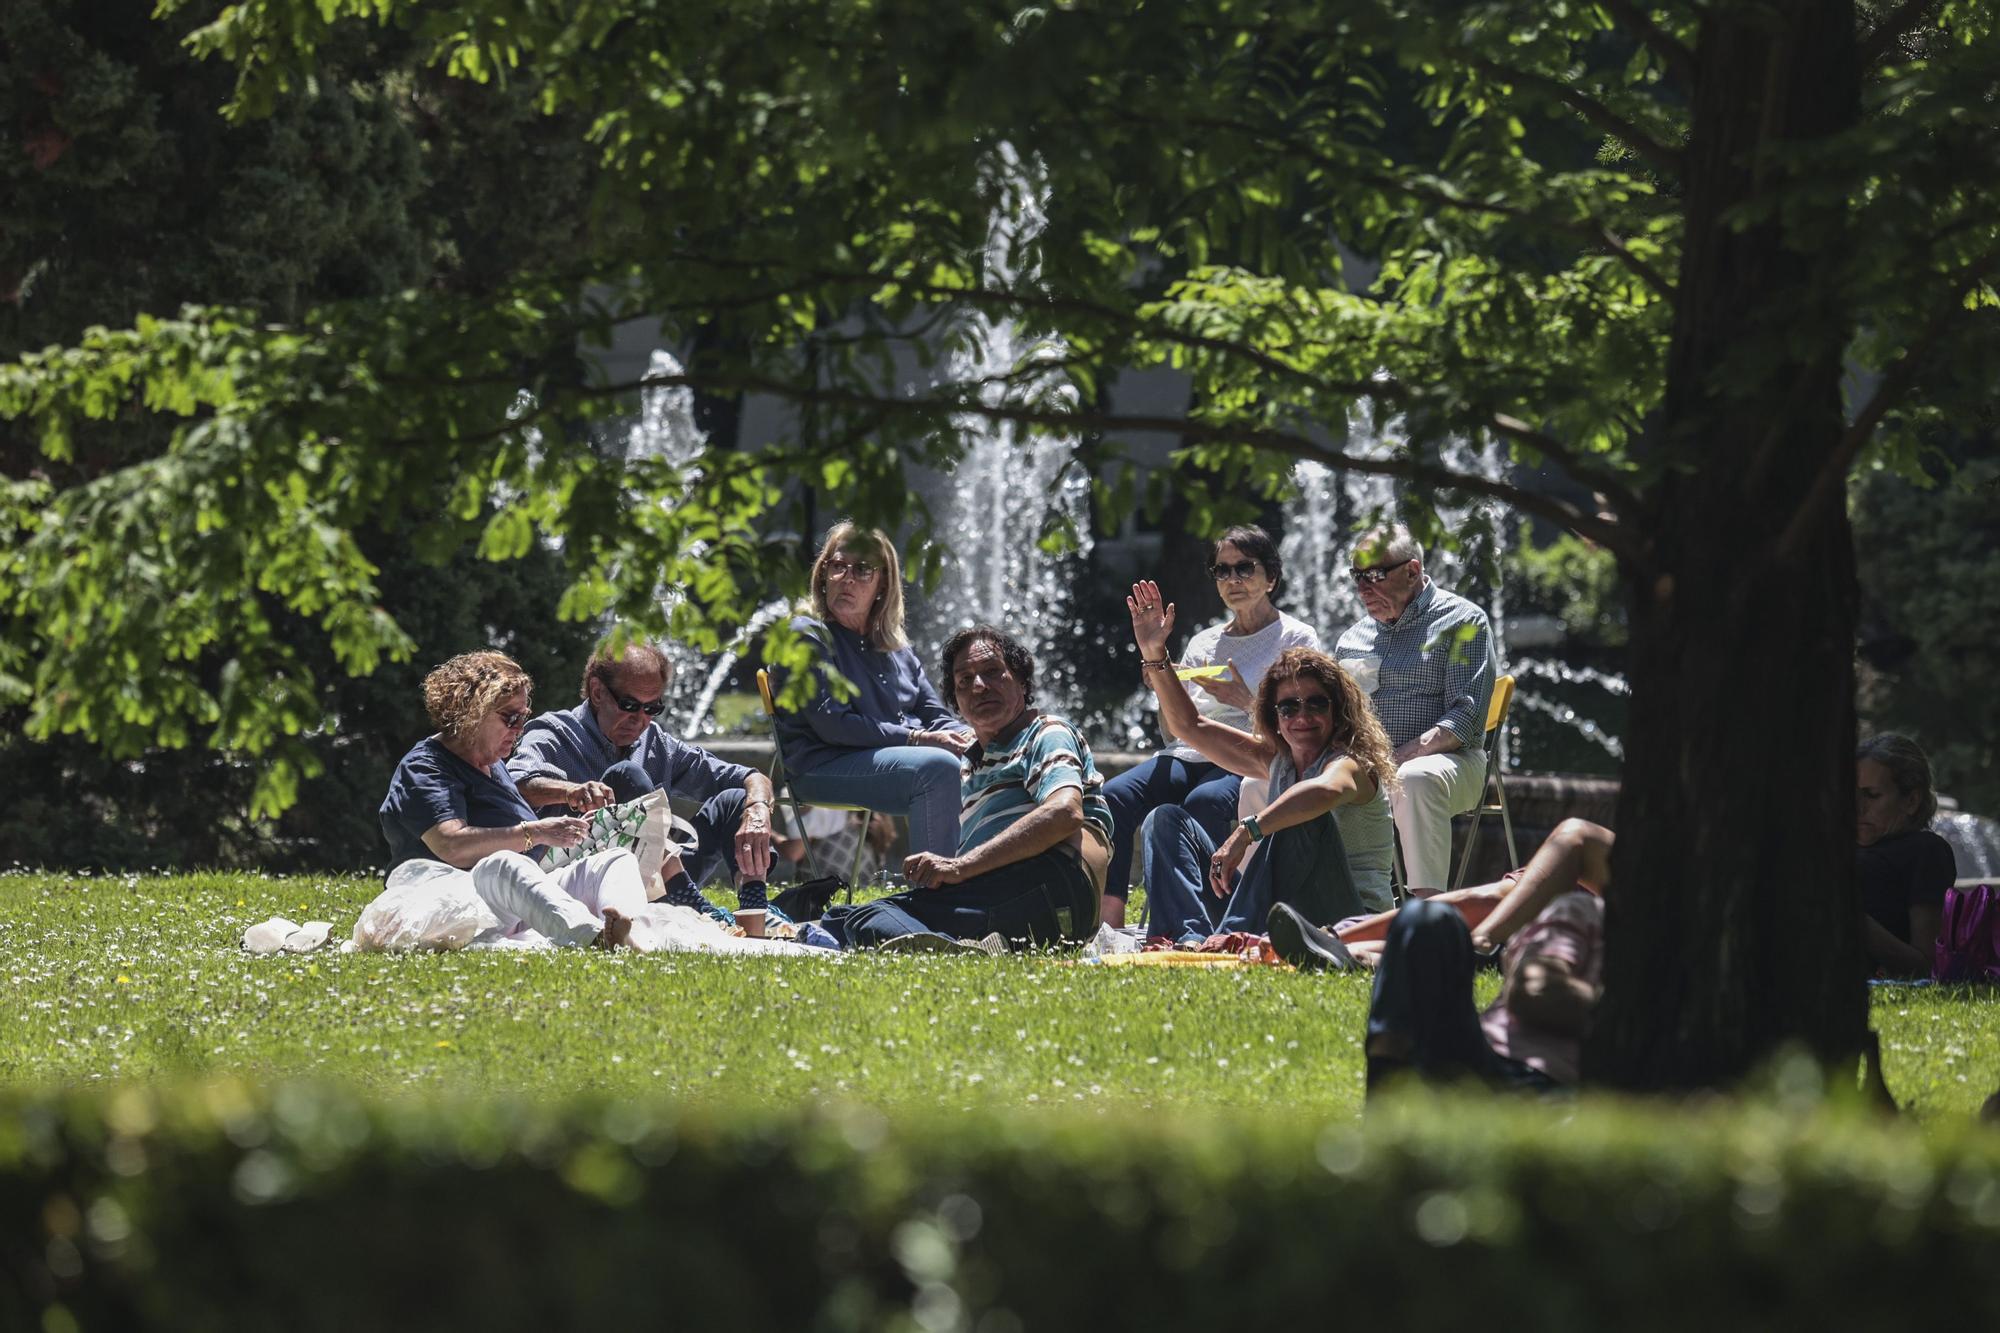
(1436, 666)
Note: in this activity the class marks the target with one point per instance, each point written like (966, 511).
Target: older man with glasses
(1425, 658)
(611, 748)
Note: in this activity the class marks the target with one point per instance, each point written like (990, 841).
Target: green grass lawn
(140, 978)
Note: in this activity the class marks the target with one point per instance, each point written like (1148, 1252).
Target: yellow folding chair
(1493, 798)
(783, 782)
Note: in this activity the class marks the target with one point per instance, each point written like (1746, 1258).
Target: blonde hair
(1355, 728)
(885, 618)
(459, 694)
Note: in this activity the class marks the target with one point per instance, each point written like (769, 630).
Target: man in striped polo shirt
(1034, 830)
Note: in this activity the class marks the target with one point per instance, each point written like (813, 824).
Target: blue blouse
(894, 699)
(432, 785)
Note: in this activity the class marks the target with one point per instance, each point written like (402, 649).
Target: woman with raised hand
(1226, 662)
(452, 800)
(892, 745)
(1324, 831)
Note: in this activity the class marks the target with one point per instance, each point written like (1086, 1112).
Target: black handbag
(807, 901)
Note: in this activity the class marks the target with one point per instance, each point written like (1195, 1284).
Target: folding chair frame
(782, 780)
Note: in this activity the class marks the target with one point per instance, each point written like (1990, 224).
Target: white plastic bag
(426, 905)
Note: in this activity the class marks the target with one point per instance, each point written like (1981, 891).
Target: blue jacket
(894, 699)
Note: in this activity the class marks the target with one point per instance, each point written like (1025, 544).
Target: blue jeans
(714, 830)
(1203, 789)
(1305, 866)
(1423, 1000)
(920, 781)
(1044, 899)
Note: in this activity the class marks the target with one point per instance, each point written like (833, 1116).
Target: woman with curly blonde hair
(1326, 819)
(452, 800)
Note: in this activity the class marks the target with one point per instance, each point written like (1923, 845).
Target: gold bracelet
(527, 839)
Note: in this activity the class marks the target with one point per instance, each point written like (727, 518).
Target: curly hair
(1909, 768)
(459, 694)
(1020, 662)
(885, 620)
(1356, 729)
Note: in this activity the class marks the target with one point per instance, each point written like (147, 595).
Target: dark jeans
(1202, 789)
(1305, 866)
(714, 830)
(1045, 899)
(1423, 997)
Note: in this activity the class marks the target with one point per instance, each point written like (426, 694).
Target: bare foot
(617, 929)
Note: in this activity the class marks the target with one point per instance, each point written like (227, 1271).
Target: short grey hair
(1390, 543)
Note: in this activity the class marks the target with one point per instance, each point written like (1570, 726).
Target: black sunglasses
(1242, 569)
(515, 720)
(1315, 704)
(1376, 573)
(627, 704)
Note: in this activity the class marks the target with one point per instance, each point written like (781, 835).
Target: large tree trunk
(1733, 926)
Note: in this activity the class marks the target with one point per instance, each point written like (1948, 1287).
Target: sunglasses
(515, 719)
(850, 569)
(627, 704)
(1376, 573)
(1242, 569)
(1316, 704)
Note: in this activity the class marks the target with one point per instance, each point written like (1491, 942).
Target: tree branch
(1606, 532)
(1664, 159)
(1677, 57)
(1893, 25)
(1598, 477)
(1587, 229)
(1902, 377)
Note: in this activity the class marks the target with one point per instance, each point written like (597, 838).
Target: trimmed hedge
(223, 1205)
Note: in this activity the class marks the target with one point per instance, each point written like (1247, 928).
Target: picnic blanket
(428, 905)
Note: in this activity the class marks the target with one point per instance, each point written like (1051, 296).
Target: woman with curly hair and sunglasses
(452, 800)
(1320, 843)
(1226, 662)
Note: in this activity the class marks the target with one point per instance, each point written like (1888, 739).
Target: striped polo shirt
(1001, 783)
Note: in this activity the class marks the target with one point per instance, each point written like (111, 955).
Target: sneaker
(926, 942)
(991, 943)
(1304, 945)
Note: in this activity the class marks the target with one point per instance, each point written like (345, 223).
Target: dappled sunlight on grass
(114, 977)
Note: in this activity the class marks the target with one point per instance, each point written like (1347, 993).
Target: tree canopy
(1639, 246)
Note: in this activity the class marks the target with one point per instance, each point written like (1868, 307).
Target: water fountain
(1014, 484)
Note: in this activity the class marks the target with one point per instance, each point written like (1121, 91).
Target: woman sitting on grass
(1902, 869)
(452, 800)
(1326, 822)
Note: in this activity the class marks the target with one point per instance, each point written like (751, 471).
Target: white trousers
(1435, 787)
(566, 905)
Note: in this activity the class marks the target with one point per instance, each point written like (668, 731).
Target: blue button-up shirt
(1432, 666)
(569, 746)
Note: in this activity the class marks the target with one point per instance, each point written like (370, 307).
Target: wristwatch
(1255, 829)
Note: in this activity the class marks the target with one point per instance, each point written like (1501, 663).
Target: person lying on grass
(1550, 919)
(1034, 832)
(1321, 840)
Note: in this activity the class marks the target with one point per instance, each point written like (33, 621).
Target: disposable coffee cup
(752, 921)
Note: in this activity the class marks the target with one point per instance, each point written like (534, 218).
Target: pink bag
(1968, 943)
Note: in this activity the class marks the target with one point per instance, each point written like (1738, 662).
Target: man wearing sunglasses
(1425, 657)
(611, 748)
